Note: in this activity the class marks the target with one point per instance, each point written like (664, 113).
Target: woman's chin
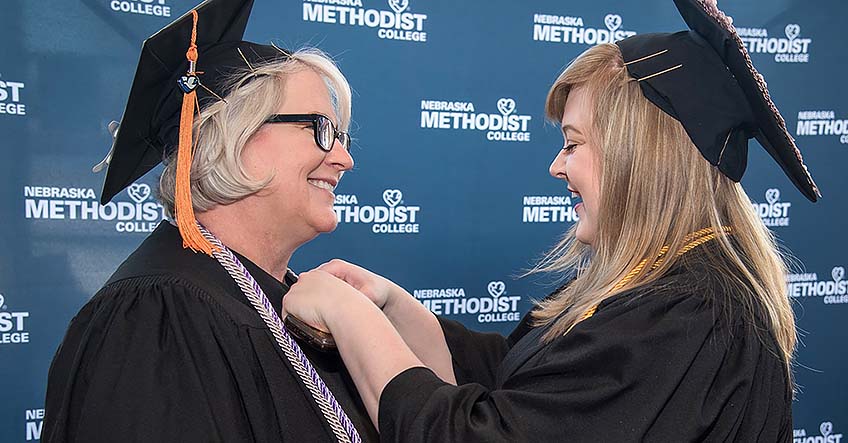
(327, 226)
(584, 237)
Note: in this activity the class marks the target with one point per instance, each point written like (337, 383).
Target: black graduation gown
(665, 363)
(171, 350)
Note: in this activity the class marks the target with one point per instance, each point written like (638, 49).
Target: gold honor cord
(694, 240)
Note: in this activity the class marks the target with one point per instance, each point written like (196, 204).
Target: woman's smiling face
(577, 162)
(300, 196)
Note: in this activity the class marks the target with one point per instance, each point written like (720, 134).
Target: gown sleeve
(475, 355)
(651, 369)
(150, 359)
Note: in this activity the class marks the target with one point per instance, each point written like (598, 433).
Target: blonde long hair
(657, 189)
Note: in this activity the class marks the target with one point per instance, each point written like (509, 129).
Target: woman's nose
(557, 168)
(340, 157)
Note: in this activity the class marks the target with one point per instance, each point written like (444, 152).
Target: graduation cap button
(188, 83)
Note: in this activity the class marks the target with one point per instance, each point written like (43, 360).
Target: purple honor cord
(334, 414)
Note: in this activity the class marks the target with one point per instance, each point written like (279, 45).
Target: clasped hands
(321, 297)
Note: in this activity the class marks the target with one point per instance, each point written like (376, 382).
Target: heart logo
(506, 106)
(792, 30)
(187, 83)
(392, 197)
(139, 192)
(613, 22)
(837, 273)
(2, 300)
(826, 428)
(772, 195)
(496, 288)
(398, 5)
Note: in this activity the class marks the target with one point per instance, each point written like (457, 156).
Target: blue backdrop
(448, 129)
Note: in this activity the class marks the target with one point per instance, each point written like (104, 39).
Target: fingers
(333, 267)
(350, 273)
(318, 275)
(318, 280)
(338, 267)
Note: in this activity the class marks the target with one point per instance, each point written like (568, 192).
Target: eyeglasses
(323, 128)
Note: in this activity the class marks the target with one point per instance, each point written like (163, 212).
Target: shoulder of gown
(151, 358)
(476, 356)
(666, 363)
(168, 350)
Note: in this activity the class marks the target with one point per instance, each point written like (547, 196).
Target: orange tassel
(187, 224)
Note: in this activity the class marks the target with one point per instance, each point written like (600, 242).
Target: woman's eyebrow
(567, 127)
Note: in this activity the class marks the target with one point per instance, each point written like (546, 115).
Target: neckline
(694, 240)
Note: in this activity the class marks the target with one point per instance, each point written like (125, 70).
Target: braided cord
(694, 240)
(338, 420)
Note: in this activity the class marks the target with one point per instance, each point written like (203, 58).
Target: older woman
(185, 346)
(675, 325)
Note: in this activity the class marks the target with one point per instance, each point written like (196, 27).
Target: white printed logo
(826, 428)
(570, 29)
(59, 203)
(786, 50)
(393, 218)
(613, 22)
(826, 435)
(507, 125)
(397, 23)
(398, 5)
(506, 106)
(34, 424)
(392, 197)
(822, 123)
(156, 8)
(548, 209)
(498, 307)
(837, 273)
(792, 31)
(833, 291)
(772, 195)
(139, 192)
(774, 212)
(10, 98)
(13, 328)
(496, 288)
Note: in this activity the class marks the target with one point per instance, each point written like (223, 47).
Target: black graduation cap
(180, 68)
(704, 78)
(149, 128)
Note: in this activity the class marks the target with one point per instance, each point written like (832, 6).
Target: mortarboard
(704, 78)
(184, 65)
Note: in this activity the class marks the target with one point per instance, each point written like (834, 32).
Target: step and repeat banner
(449, 137)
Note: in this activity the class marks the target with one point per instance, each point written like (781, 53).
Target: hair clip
(245, 61)
(726, 140)
(660, 73)
(646, 57)
(282, 51)
(211, 92)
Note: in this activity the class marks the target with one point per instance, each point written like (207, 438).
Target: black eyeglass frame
(316, 120)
